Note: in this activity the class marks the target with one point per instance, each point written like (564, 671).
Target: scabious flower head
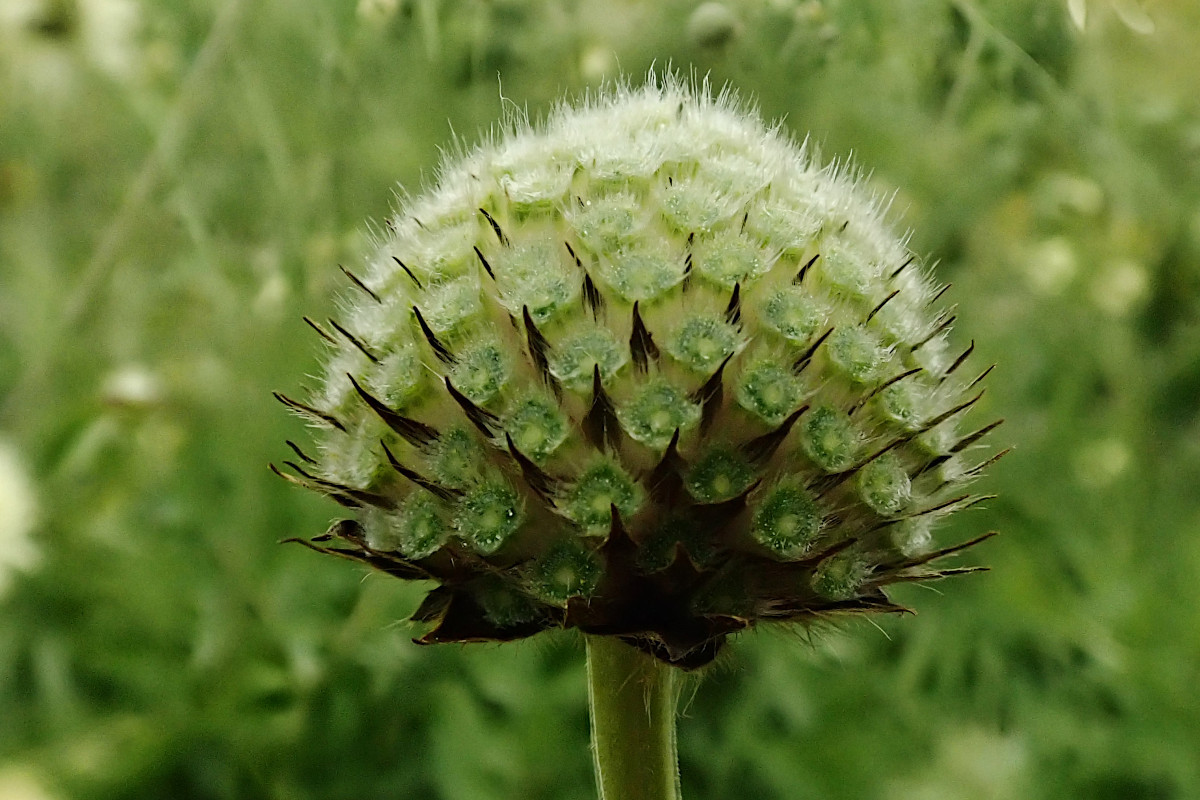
(647, 371)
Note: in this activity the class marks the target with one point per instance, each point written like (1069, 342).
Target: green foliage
(176, 190)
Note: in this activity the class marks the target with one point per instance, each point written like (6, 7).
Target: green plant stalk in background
(632, 699)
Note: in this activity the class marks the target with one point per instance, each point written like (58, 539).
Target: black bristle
(542, 484)
(408, 272)
(355, 280)
(486, 266)
(982, 375)
(710, 397)
(958, 361)
(896, 379)
(485, 421)
(733, 311)
(495, 227)
(665, 482)
(940, 418)
(433, 487)
(760, 449)
(338, 497)
(415, 433)
(939, 294)
(806, 357)
(439, 349)
(902, 267)
(571, 250)
(299, 453)
(941, 326)
(979, 468)
(354, 341)
(320, 331)
(592, 297)
(539, 353)
(641, 344)
(934, 555)
(309, 411)
(879, 307)
(799, 279)
(600, 425)
(362, 496)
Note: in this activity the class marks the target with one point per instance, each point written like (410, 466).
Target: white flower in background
(44, 44)
(18, 511)
(18, 782)
(1132, 14)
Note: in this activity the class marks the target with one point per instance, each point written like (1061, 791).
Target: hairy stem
(632, 699)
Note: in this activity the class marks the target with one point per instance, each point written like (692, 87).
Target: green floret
(701, 343)
(606, 224)
(839, 577)
(656, 411)
(691, 206)
(535, 277)
(884, 485)
(537, 427)
(503, 605)
(769, 391)
(602, 486)
(787, 521)
(856, 353)
(456, 458)
(480, 372)
(849, 273)
(904, 402)
(642, 274)
(488, 515)
(451, 304)
(397, 380)
(568, 570)
(830, 439)
(573, 361)
(721, 474)
(793, 314)
(421, 528)
(728, 260)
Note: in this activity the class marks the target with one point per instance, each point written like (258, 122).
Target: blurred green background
(179, 180)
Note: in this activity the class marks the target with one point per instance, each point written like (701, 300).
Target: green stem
(632, 698)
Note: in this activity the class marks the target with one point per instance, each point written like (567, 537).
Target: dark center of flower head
(646, 372)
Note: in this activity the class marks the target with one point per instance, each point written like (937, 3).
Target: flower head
(647, 371)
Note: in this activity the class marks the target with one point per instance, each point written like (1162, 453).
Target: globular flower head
(647, 371)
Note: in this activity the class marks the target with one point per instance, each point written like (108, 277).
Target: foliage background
(178, 180)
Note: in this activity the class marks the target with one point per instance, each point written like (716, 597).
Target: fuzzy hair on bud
(648, 371)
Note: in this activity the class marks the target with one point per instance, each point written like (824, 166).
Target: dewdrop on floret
(646, 370)
(489, 514)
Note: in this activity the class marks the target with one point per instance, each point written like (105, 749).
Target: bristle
(415, 433)
(355, 280)
(641, 344)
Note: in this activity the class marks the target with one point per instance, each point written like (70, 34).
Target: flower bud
(647, 371)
